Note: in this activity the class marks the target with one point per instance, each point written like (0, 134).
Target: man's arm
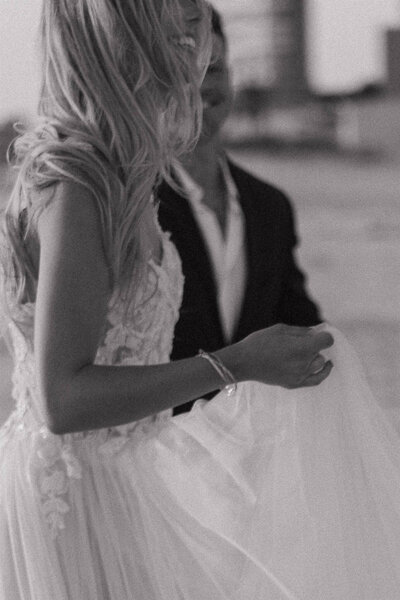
(296, 306)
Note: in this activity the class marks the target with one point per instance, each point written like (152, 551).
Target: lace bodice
(139, 337)
(144, 337)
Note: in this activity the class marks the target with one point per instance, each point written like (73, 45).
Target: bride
(276, 489)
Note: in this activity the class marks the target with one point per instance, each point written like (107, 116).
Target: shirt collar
(195, 193)
(191, 190)
(231, 188)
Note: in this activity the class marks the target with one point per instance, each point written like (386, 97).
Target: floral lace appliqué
(58, 466)
(145, 337)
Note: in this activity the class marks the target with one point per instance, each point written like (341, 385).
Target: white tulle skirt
(267, 495)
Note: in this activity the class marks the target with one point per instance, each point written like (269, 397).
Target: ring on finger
(319, 368)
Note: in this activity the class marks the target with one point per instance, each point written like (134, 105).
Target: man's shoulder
(165, 189)
(257, 188)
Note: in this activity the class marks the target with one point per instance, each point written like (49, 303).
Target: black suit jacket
(275, 291)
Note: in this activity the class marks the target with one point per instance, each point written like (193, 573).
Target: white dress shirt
(227, 254)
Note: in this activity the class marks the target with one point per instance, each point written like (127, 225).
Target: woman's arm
(71, 307)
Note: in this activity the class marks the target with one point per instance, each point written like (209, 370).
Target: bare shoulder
(69, 230)
(68, 204)
(69, 221)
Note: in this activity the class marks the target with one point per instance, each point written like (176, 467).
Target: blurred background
(317, 113)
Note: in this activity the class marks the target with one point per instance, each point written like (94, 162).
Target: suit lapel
(194, 254)
(257, 239)
(192, 248)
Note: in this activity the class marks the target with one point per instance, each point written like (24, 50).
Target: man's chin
(207, 135)
(210, 129)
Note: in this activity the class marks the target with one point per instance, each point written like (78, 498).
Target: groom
(235, 235)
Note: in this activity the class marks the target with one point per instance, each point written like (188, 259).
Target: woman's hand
(280, 355)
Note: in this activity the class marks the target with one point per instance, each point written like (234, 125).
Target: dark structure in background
(288, 49)
(7, 134)
(393, 60)
(276, 104)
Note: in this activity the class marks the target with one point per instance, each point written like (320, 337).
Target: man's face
(192, 17)
(216, 91)
(186, 27)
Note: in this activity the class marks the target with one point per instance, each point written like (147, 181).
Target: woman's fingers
(316, 365)
(320, 341)
(319, 377)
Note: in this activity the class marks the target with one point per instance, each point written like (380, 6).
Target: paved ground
(348, 215)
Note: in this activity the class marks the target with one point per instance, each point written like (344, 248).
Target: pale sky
(19, 80)
(345, 41)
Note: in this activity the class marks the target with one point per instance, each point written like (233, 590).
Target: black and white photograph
(199, 300)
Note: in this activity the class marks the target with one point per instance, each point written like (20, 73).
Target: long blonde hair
(119, 101)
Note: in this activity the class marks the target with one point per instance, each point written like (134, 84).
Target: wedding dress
(268, 494)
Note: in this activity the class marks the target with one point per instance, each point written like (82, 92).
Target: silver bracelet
(230, 383)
